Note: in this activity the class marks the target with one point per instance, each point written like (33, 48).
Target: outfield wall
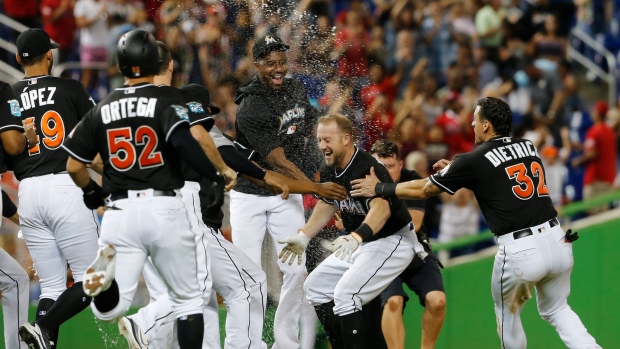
(470, 320)
(595, 297)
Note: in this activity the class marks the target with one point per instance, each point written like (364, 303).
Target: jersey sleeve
(80, 144)
(458, 174)
(263, 137)
(219, 139)
(198, 115)
(173, 116)
(10, 110)
(83, 101)
(590, 142)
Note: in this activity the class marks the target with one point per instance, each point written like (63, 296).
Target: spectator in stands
(455, 123)
(488, 23)
(548, 45)
(58, 22)
(441, 50)
(351, 49)
(555, 173)
(463, 27)
(599, 156)
(459, 217)
(486, 70)
(91, 18)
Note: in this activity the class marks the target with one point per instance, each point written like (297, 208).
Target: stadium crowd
(407, 70)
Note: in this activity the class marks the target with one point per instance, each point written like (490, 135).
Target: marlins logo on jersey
(195, 107)
(15, 108)
(181, 112)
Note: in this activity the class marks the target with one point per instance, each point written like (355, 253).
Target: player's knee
(435, 302)
(395, 304)
(111, 316)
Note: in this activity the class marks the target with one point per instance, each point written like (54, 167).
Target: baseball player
(141, 132)
(508, 179)
(275, 119)
(380, 245)
(422, 277)
(56, 226)
(14, 282)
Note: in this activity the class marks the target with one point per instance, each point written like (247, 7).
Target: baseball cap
(601, 108)
(202, 95)
(267, 44)
(549, 151)
(33, 43)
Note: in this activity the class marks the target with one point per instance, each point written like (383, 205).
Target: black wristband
(90, 187)
(365, 232)
(386, 190)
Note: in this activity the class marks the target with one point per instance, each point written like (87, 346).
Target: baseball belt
(528, 231)
(124, 195)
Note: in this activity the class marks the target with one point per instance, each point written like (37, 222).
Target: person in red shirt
(599, 156)
(455, 125)
(380, 83)
(350, 45)
(59, 23)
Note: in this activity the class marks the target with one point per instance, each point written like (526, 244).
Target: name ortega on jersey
(37, 97)
(128, 108)
(508, 152)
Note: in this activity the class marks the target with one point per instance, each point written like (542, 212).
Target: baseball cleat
(34, 336)
(132, 333)
(100, 274)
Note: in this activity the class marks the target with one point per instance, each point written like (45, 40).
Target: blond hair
(342, 122)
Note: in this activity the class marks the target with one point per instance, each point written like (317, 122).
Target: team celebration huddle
(150, 156)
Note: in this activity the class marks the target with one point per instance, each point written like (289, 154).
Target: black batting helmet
(137, 54)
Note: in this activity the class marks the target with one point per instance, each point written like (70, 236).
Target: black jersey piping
(135, 86)
(174, 127)
(35, 77)
(432, 179)
(200, 121)
(348, 165)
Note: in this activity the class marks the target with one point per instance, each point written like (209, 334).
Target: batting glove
(295, 247)
(344, 246)
(93, 197)
(570, 236)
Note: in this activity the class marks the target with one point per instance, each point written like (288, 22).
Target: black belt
(124, 195)
(527, 231)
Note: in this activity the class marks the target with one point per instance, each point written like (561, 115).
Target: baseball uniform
(508, 180)
(131, 129)
(377, 261)
(266, 120)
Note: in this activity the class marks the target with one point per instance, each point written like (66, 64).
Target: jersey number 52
(525, 189)
(123, 152)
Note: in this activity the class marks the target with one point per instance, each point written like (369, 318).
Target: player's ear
(171, 66)
(18, 58)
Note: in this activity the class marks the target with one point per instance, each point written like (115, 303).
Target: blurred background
(407, 70)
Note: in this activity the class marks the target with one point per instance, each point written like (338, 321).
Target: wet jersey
(353, 210)
(55, 105)
(130, 129)
(508, 180)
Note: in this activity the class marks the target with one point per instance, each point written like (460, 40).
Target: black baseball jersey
(10, 117)
(267, 119)
(56, 105)
(418, 205)
(508, 179)
(353, 210)
(130, 129)
(198, 115)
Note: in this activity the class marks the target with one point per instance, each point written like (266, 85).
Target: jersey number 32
(123, 155)
(525, 189)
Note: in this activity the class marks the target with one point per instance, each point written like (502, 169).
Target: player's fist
(93, 196)
(295, 247)
(230, 176)
(29, 133)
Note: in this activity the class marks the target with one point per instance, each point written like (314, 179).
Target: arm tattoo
(430, 189)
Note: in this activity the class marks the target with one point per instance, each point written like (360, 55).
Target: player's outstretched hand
(231, 178)
(570, 236)
(441, 164)
(275, 185)
(295, 247)
(331, 191)
(345, 245)
(218, 194)
(365, 186)
(93, 197)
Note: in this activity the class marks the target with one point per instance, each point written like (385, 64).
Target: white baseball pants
(14, 283)
(373, 267)
(58, 228)
(250, 217)
(544, 261)
(156, 226)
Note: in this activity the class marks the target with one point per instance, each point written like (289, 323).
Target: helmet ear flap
(137, 54)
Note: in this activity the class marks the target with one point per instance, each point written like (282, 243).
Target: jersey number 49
(123, 152)
(53, 130)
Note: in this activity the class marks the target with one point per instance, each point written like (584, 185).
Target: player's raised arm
(418, 189)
